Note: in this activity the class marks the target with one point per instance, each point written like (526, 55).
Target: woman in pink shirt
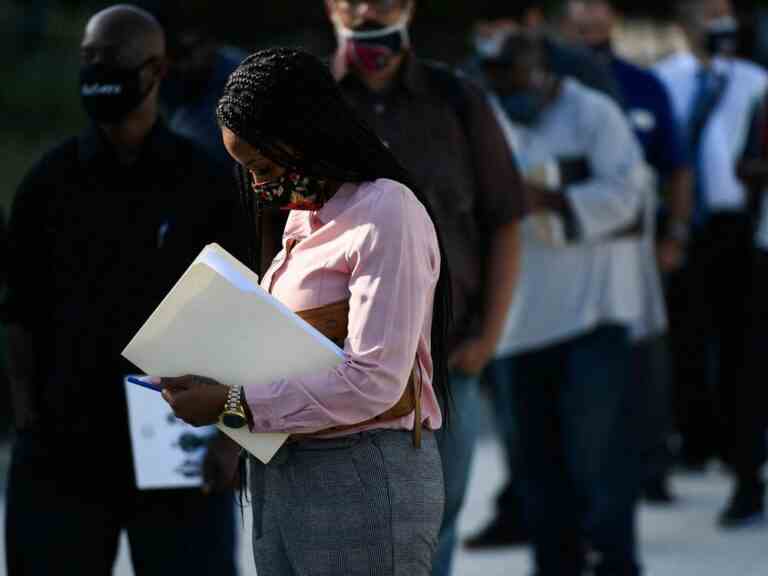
(358, 487)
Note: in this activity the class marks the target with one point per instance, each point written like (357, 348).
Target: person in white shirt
(715, 96)
(566, 345)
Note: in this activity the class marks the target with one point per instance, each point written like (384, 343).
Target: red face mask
(373, 48)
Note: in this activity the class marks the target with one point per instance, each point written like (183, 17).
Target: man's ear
(156, 70)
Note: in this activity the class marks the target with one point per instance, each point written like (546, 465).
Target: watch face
(233, 420)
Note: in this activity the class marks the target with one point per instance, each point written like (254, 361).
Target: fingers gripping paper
(218, 322)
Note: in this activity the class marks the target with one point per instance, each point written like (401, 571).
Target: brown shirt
(455, 150)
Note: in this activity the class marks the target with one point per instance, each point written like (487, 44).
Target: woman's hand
(197, 400)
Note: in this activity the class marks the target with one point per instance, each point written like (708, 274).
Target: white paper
(218, 322)
(167, 453)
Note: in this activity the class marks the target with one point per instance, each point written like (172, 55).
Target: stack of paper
(218, 322)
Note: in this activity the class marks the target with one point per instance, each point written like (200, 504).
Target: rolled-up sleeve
(612, 198)
(394, 263)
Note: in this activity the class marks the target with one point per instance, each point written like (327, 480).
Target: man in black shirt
(101, 228)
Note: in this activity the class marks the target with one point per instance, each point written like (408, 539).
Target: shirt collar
(93, 146)
(411, 76)
(336, 204)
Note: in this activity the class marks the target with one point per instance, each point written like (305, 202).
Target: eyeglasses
(356, 6)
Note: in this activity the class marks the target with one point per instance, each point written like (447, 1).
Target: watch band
(233, 415)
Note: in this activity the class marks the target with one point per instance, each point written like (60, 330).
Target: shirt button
(379, 108)
(265, 423)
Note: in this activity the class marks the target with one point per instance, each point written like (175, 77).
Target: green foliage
(39, 98)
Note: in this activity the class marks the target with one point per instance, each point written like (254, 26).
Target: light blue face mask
(489, 46)
(523, 107)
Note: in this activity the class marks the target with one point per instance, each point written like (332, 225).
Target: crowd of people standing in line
(601, 225)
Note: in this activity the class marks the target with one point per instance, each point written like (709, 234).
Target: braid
(285, 103)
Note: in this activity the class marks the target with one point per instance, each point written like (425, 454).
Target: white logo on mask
(102, 89)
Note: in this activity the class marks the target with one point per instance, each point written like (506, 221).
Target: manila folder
(219, 323)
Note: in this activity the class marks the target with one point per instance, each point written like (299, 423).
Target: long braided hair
(285, 103)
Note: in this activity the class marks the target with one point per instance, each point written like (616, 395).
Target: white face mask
(349, 33)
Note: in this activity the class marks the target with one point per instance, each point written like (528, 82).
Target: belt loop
(417, 409)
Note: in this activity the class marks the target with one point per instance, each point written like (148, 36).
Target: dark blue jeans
(578, 457)
(500, 376)
(456, 443)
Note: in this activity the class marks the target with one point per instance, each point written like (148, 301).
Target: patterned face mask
(292, 191)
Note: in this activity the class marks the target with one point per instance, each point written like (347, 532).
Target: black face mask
(523, 107)
(722, 37)
(109, 94)
(604, 48)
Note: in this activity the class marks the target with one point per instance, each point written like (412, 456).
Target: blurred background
(40, 105)
(39, 42)
(39, 53)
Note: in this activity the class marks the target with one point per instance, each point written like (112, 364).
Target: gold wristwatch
(233, 415)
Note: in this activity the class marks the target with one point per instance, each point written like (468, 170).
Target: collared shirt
(374, 245)
(648, 107)
(95, 246)
(459, 160)
(725, 136)
(567, 290)
(566, 61)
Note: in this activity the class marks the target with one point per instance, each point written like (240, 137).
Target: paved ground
(680, 541)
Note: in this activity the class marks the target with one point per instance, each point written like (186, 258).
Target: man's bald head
(124, 35)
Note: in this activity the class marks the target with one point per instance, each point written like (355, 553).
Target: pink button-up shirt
(374, 244)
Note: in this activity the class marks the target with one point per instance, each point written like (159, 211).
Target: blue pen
(143, 384)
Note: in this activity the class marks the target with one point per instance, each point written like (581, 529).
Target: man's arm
(500, 207)
(611, 199)
(752, 169)
(21, 365)
(669, 156)
(28, 283)
(503, 268)
(672, 245)
(20, 353)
